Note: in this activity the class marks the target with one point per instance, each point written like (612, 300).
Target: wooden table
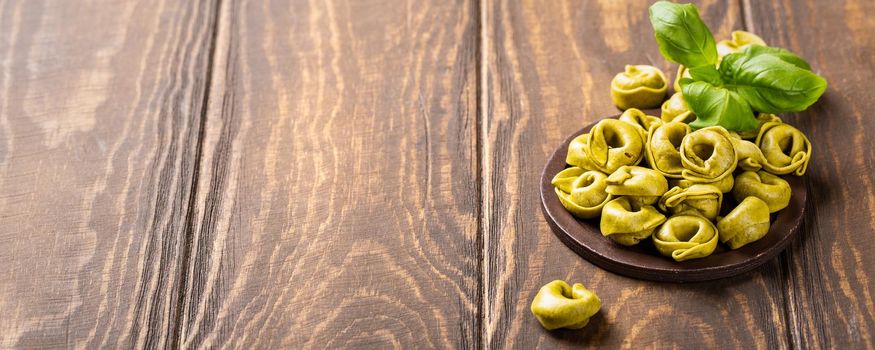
(329, 174)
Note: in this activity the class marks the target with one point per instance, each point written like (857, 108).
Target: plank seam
(189, 222)
(481, 139)
(784, 260)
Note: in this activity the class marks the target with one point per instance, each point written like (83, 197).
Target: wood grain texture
(337, 203)
(549, 67)
(364, 174)
(100, 109)
(833, 279)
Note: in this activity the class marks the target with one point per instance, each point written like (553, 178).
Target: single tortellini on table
(663, 148)
(739, 40)
(608, 146)
(708, 155)
(686, 236)
(581, 191)
(771, 189)
(640, 185)
(703, 199)
(746, 223)
(558, 305)
(640, 86)
(628, 224)
(785, 148)
(641, 121)
(750, 157)
(675, 109)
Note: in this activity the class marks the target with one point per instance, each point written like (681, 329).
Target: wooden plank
(549, 69)
(100, 109)
(337, 204)
(832, 268)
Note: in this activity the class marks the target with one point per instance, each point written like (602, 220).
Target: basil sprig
(759, 78)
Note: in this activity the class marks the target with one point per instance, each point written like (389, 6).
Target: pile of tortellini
(656, 177)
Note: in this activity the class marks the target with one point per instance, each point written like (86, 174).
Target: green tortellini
(786, 149)
(748, 222)
(686, 236)
(740, 40)
(762, 118)
(609, 145)
(577, 152)
(725, 184)
(641, 120)
(682, 73)
(558, 305)
(640, 86)
(708, 155)
(772, 190)
(582, 192)
(750, 158)
(663, 148)
(675, 109)
(647, 177)
(628, 224)
(704, 199)
(641, 186)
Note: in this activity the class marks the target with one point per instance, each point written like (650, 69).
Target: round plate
(642, 260)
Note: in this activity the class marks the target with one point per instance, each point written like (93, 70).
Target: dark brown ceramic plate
(643, 261)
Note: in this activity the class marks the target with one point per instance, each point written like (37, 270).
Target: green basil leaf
(706, 73)
(769, 83)
(682, 36)
(782, 54)
(718, 106)
(684, 81)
